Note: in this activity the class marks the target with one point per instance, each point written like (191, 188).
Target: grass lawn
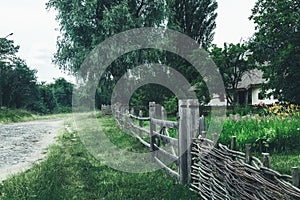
(70, 172)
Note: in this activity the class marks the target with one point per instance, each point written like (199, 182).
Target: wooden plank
(143, 141)
(167, 155)
(169, 124)
(140, 118)
(141, 129)
(170, 140)
(167, 169)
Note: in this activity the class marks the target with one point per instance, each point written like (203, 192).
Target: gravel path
(22, 144)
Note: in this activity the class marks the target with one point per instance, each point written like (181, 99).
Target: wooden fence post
(188, 128)
(141, 122)
(182, 141)
(203, 134)
(163, 113)
(132, 111)
(193, 124)
(152, 126)
(295, 176)
(233, 143)
(202, 126)
(248, 154)
(266, 160)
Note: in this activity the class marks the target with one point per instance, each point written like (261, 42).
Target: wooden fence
(223, 173)
(214, 172)
(106, 109)
(171, 153)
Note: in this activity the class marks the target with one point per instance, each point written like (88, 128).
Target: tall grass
(272, 134)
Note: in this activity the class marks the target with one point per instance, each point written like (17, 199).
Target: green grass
(70, 172)
(283, 163)
(8, 115)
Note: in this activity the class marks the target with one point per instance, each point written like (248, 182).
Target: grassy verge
(18, 115)
(70, 172)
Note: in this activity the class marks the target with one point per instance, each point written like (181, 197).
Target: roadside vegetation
(70, 172)
(8, 115)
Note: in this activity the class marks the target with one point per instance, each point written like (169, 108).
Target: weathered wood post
(188, 128)
(266, 160)
(203, 134)
(248, 154)
(141, 122)
(152, 126)
(295, 176)
(202, 126)
(163, 113)
(131, 119)
(233, 143)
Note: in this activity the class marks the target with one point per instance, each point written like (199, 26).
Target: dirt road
(22, 144)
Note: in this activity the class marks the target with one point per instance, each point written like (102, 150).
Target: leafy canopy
(276, 44)
(233, 61)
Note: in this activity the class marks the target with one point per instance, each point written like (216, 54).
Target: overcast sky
(34, 30)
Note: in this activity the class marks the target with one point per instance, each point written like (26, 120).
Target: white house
(249, 92)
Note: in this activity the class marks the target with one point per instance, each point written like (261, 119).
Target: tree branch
(140, 8)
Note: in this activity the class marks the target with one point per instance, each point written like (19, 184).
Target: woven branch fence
(222, 173)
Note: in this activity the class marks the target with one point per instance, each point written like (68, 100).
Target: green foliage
(17, 81)
(194, 18)
(265, 133)
(276, 45)
(62, 91)
(171, 105)
(84, 25)
(14, 115)
(19, 87)
(70, 172)
(233, 62)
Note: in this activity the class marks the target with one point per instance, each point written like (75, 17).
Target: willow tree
(85, 24)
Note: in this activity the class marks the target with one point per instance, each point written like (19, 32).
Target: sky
(35, 30)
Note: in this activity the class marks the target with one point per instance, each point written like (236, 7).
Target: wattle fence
(223, 173)
(212, 170)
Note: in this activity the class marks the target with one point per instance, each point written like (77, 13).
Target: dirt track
(22, 144)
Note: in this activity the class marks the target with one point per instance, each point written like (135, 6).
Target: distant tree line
(19, 87)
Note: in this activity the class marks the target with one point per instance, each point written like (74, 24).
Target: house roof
(251, 78)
